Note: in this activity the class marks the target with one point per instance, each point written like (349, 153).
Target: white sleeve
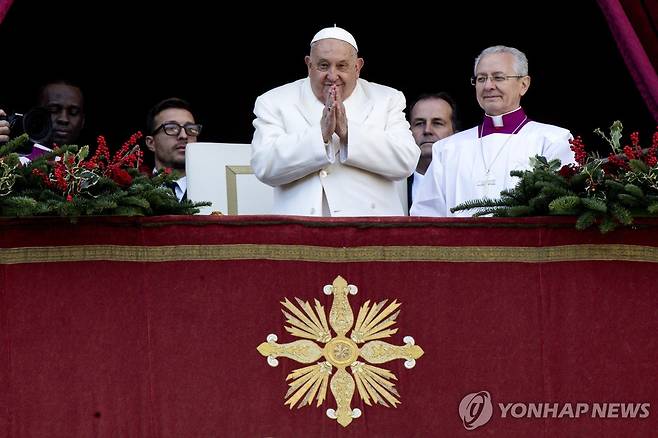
(279, 157)
(556, 145)
(431, 198)
(384, 147)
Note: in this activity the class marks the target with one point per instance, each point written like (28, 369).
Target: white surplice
(458, 171)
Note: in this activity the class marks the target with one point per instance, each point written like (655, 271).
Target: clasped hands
(334, 117)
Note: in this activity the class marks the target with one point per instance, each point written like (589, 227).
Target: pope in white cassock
(333, 144)
(476, 163)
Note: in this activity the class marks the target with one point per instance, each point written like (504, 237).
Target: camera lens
(37, 124)
(15, 123)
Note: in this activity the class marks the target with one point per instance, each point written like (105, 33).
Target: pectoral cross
(485, 183)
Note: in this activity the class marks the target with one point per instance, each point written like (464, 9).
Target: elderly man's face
(497, 98)
(333, 62)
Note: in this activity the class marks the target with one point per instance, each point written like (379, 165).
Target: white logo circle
(475, 409)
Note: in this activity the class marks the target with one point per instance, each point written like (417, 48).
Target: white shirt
(181, 187)
(458, 171)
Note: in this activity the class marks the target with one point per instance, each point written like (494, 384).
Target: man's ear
(150, 143)
(525, 84)
(359, 65)
(307, 61)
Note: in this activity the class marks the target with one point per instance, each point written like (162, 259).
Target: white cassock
(314, 179)
(465, 167)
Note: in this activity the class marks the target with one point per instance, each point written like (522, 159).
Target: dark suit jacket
(410, 182)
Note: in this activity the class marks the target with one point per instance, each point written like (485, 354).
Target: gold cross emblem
(372, 323)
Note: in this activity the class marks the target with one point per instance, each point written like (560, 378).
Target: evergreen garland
(66, 183)
(606, 192)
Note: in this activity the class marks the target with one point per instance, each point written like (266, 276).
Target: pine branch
(621, 214)
(539, 204)
(628, 200)
(493, 211)
(607, 225)
(565, 205)
(478, 203)
(586, 220)
(594, 204)
(634, 190)
(519, 211)
(13, 145)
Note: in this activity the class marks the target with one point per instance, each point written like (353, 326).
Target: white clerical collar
(508, 123)
(499, 120)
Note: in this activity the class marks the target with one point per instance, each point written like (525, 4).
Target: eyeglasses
(173, 128)
(498, 79)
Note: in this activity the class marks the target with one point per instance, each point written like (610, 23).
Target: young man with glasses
(476, 163)
(170, 126)
(333, 144)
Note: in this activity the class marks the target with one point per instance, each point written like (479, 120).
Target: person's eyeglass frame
(496, 79)
(173, 129)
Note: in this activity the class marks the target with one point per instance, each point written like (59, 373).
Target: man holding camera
(57, 120)
(60, 101)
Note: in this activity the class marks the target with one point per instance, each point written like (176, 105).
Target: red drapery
(643, 15)
(634, 25)
(4, 7)
(149, 327)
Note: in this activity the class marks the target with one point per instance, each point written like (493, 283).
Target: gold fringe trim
(307, 253)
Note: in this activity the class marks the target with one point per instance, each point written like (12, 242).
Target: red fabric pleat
(4, 8)
(636, 52)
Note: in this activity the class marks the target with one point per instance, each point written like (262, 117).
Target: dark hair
(440, 95)
(61, 81)
(172, 102)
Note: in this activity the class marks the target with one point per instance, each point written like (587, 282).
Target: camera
(35, 123)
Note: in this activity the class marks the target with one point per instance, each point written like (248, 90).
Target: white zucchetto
(337, 33)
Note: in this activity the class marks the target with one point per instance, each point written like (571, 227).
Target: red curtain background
(643, 15)
(634, 25)
(149, 327)
(4, 7)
